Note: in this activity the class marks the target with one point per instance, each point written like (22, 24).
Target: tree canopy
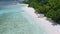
(50, 8)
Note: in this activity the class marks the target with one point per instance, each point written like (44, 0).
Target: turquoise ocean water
(13, 20)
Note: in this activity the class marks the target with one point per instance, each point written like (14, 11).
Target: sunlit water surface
(13, 20)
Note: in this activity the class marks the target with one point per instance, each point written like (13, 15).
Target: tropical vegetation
(50, 8)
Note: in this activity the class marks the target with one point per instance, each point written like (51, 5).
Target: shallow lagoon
(13, 20)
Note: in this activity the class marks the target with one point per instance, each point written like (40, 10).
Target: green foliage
(50, 8)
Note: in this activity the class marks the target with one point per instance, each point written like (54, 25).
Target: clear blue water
(13, 20)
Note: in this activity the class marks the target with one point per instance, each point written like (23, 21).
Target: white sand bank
(45, 23)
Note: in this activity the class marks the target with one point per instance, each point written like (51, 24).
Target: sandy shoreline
(45, 23)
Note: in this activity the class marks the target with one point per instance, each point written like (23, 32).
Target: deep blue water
(10, 2)
(2, 3)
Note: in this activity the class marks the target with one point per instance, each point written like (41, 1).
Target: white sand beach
(50, 29)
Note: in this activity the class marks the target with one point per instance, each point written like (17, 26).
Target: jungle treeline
(50, 8)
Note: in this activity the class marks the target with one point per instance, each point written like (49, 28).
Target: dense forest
(50, 8)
